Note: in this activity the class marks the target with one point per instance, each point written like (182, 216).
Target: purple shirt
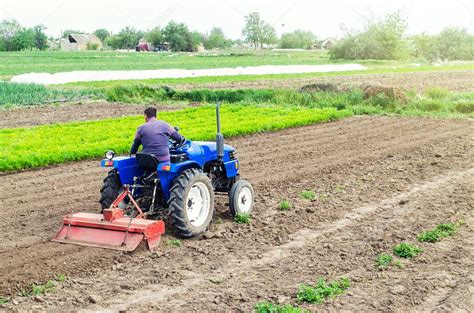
(154, 136)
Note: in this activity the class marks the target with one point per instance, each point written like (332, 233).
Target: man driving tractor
(154, 135)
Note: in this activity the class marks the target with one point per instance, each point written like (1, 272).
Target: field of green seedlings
(52, 144)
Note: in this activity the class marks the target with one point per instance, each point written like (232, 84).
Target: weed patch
(268, 307)
(406, 250)
(439, 232)
(436, 93)
(174, 242)
(308, 194)
(242, 218)
(284, 205)
(383, 261)
(38, 289)
(322, 291)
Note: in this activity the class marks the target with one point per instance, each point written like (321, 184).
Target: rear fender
(127, 168)
(169, 171)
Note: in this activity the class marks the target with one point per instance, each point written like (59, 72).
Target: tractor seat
(147, 161)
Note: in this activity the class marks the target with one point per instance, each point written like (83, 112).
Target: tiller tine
(111, 230)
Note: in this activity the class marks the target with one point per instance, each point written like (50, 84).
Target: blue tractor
(182, 191)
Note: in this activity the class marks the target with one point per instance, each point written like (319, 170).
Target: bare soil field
(67, 112)
(418, 81)
(379, 180)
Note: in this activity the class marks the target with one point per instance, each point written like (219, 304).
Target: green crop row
(52, 144)
(29, 94)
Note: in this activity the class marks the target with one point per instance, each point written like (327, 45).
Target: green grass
(383, 261)
(30, 94)
(52, 144)
(242, 218)
(284, 205)
(268, 307)
(451, 105)
(174, 242)
(439, 232)
(406, 250)
(4, 300)
(14, 63)
(308, 194)
(322, 291)
(61, 278)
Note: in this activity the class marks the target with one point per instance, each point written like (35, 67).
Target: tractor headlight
(110, 154)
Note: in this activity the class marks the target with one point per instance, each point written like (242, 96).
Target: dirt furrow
(462, 80)
(371, 162)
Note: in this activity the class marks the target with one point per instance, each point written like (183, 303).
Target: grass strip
(52, 144)
(31, 94)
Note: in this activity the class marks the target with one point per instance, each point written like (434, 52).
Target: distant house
(328, 43)
(81, 42)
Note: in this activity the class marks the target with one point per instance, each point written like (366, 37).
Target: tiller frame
(112, 229)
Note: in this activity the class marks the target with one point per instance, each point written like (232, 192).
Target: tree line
(383, 39)
(256, 32)
(387, 40)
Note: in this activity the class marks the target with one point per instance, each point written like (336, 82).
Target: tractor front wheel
(241, 198)
(191, 202)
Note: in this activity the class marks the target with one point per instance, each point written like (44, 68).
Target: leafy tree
(423, 46)
(455, 44)
(269, 35)
(8, 30)
(258, 32)
(380, 40)
(180, 38)
(129, 37)
(41, 40)
(113, 42)
(194, 39)
(102, 34)
(154, 36)
(298, 39)
(24, 39)
(216, 40)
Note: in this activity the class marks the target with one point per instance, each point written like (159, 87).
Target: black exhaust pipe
(219, 136)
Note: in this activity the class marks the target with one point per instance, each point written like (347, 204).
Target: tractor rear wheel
(241, 198)
(110, 189)
(191, 202)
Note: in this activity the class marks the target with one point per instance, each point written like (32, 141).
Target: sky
(325, 18)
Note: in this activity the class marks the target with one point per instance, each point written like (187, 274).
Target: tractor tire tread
(177, 199)
(110, 189)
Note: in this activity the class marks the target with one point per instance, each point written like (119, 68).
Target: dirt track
(380, 180)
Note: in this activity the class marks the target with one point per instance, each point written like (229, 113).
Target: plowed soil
(379, 181)
(418, 81)
(51, 114)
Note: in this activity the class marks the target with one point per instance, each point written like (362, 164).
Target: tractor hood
(204, 151)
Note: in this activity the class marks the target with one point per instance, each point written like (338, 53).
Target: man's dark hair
(150, 112)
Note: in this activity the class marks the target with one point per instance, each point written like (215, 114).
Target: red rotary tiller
(112, 229)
